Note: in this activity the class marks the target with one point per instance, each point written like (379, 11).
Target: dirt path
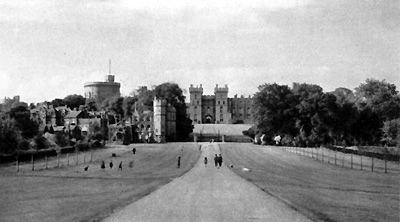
(206, 193)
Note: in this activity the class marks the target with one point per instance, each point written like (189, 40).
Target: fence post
(372, 164)
(67, 159)
(351, 161)
(343, 159)
(76, 157)
(312, 153)
(58, 160)
(322, 154)
(335, 156)
(33, 162)
(385, 163)
(91, 155)
(17, 164)
(45, 159)
(361, 161)
(84, 157)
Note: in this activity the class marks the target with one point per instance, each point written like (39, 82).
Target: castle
(99, 91)
(218, 108)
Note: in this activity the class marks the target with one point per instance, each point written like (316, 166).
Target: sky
(49, 49)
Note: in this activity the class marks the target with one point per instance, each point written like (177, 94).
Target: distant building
(99, 91)
(6, 103)
(218, 108)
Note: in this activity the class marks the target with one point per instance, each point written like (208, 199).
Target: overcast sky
(48, 48)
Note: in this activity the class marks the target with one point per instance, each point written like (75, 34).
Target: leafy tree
(32, 106)
(58, 102)
(381, 96)
(115, 105)
(74, 101)
(174, 95)
(274, 109)
(391, 132)
(10, 136)
(91, 105)
(344, 95)
(129, 106)
(21, 115)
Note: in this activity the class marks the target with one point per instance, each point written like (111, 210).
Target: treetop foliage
(311, 117)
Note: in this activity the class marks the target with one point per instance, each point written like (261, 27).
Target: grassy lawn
(320, 191)
(69, 193)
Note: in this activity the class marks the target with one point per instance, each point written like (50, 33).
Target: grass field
(69, 193)
(320, 191)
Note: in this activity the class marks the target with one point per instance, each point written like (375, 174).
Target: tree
(21, 115)
(274, 110)
(115, 105)
(57, 102)
(10, 136)
(174, 95)
(381, 96)
(74, 101)
(391, 132)
(92, 105)
(129, 106)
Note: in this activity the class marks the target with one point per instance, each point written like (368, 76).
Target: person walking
(220, 160)
(120, 166)
(103, 165)
(205, 161)
(216, 160)
(111, 164)
(134, 150)
(179, 161)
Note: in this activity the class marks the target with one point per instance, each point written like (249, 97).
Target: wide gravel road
(207, 193)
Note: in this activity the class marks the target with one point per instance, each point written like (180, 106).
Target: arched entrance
(208, 119)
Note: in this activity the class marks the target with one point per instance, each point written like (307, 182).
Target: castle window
(221, 120)
(195, 96)
(221, 107)
(195, 107)
(223, 102)
(218, 102)
(198, 102)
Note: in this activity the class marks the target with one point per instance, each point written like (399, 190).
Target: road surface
(206, 193)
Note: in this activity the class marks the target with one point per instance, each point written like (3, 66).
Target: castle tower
(221, 104)
(195, 105)
(160, 120)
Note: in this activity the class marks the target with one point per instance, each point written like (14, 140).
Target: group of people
(217, 160)
(111, 164)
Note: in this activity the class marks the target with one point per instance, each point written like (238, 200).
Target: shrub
(41, 142)
(61, 139)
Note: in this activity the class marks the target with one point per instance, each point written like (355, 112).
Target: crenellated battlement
(221, 89)
(196, 89)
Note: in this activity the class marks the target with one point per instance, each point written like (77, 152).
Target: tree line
(304, 115)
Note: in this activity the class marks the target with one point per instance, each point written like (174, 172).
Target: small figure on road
(134, 150)
(205, 161)
(216, 160)
(220, 160)
(103, 165)
(86, 168)
(111, 164)
(179, 161)
(120, 166)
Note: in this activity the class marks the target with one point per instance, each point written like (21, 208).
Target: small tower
(160, 119)
(196, 93)
(221, 104)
